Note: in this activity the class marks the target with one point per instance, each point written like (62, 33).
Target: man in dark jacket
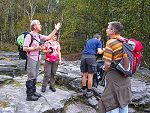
(117, 92)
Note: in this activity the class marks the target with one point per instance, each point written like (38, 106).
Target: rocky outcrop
(10, 64)
(140, 87)
(68, 97)
(50, 102)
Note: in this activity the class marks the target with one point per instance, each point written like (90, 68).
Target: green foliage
(22, 25)
(17, 84)
(9, 47)
(38, 84)
(4, 104)
(72, 45)
(7, 81)
(87, 16)
(80, 19)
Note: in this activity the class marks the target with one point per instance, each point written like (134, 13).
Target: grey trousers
(50, 72)
(32, 68)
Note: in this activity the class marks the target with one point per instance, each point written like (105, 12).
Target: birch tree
(29, 7)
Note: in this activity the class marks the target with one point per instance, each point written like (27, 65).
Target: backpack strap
(122, 39)
(114, 63)
(32, 38)
(29, 46)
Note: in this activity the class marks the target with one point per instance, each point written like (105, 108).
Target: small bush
(4, 104)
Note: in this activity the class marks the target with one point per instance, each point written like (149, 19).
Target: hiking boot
(37, 94)
(32, 98)
(89, 94)
(84, 92)
(43, 89)
(53, 89)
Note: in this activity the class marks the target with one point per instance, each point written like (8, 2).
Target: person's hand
(103, 50)
(103, 68)
(39, 48)
(57, 26)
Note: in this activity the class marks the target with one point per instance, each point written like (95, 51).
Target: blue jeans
(119, 110)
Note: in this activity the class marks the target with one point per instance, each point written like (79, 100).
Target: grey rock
(75, 84)
(144, 71)
(8, 54)
(70, 76)
(93, 101)
(99, 90)
(147, 110)
(137, 97)
(10, 64)
(4, 78)
(79, 108)
(131, 110)
(50, 101)
(7, 110)
(7, 63)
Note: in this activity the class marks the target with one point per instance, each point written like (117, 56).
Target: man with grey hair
(117, 92)
(34, 56)
(88, 63)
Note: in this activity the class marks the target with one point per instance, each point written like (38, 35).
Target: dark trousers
(31, 87)
(32, 72)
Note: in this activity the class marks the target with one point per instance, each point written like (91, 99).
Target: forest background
(80, 19)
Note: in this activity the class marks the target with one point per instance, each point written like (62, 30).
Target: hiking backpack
(20, 43)
(99, 74)
(133, 49)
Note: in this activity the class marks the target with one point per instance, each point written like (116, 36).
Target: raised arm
(57, 27)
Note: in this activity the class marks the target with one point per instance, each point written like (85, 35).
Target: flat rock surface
(15, 97)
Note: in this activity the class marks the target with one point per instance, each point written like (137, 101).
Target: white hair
(34, 22)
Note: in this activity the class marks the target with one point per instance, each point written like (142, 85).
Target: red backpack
(133, 49)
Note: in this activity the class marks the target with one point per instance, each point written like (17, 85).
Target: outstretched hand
(57, 26)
